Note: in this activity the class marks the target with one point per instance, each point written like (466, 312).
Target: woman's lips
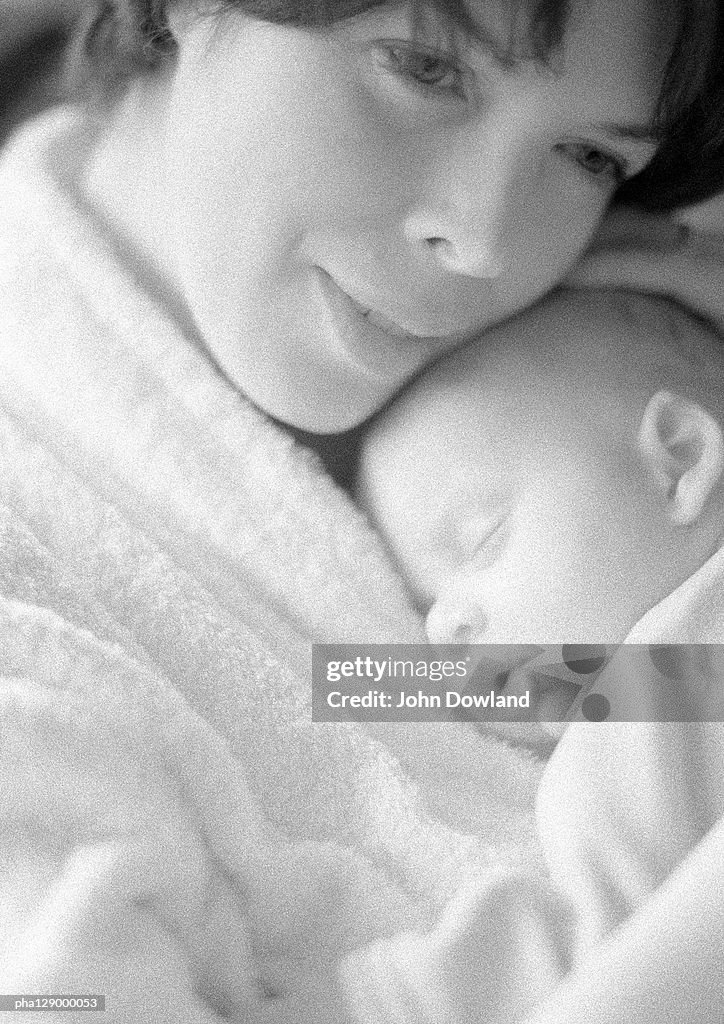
(391, 327)
(373, 341)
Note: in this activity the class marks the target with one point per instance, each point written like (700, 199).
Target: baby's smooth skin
(548, 484)
(557, 478)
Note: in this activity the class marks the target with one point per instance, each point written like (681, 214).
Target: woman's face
(347, 204)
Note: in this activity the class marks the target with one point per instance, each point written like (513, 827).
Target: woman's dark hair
(122, 37)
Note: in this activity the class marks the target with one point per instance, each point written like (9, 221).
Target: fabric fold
(167, 557)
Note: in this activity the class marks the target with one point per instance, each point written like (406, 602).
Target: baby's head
(556, 479)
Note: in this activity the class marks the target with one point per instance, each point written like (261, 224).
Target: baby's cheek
(399, 510)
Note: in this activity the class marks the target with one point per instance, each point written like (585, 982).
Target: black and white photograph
(362, 511)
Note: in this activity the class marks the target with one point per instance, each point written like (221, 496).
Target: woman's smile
(369, 339)
(455, 207)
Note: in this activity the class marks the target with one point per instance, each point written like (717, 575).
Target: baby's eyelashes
(468, 535)
(477, 530)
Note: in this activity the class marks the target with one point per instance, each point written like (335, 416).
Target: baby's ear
(683, 446)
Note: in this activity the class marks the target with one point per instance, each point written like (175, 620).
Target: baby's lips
(551, 695)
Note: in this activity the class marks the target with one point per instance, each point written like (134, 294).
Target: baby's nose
(456, 619)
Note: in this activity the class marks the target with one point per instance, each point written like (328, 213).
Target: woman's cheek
(551, 234)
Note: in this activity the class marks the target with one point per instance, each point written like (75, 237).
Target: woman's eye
(596, 162)
(424, 69)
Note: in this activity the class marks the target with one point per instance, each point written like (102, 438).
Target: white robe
(167, 557)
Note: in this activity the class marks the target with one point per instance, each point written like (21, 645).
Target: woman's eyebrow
(459, 17)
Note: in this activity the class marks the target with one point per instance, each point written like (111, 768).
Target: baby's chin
(536, 738)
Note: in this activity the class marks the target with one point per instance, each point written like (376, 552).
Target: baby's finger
(693, 278)
(627, 225)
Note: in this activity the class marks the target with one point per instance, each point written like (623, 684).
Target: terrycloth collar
(117, 391)
(130, 399)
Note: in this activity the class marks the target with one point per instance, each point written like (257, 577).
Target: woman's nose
(467, 218)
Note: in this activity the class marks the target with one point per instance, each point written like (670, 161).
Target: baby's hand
(656, 255)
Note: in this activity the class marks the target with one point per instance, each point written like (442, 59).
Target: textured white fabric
(631, 820)
(167, 555)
